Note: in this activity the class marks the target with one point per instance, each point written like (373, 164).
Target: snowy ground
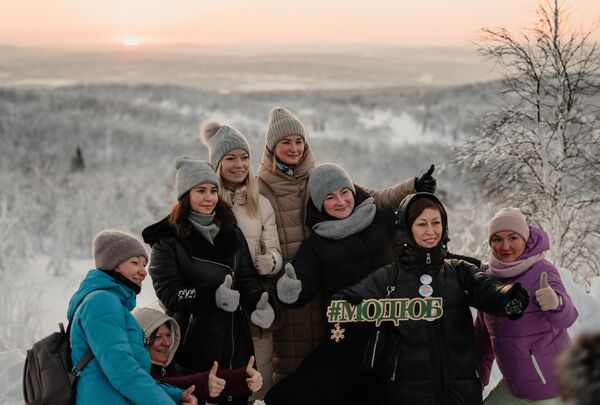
(57, 292)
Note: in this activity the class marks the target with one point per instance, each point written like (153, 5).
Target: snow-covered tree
(539, 150)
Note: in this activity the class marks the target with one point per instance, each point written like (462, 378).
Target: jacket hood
(150, 319)
(537, 243)
(407, 250)
(314, 216)
(97, 280)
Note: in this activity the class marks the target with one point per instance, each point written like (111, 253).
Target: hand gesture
(426, 183)
(254, 380)
(263, 316)
(545, 296)
(187, 398)
(288, 286)
(216, 385)
(226, 298)
(265, 264)
(517, 300)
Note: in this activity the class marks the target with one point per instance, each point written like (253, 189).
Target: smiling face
(339, 203)
(427, 228)
(133, 269)
(234, 166)
(507, 246)
(160, 344)
(289, 150)
(204, 198)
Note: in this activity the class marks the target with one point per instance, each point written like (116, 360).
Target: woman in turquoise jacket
(99, 313)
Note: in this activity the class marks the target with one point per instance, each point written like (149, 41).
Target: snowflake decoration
(337, 334)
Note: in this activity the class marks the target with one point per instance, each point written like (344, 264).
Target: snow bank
(11, 371)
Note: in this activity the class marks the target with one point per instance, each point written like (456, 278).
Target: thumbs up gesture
(288, 286)
(215, 384)
(226, 298)
(187, 397)
(546, 296)
(263, 316)
(254, 380)
(426, 182)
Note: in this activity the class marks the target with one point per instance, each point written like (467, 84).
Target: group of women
(216, 267)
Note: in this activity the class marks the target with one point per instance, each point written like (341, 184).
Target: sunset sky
(218, 22)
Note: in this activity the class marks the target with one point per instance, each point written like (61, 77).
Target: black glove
(426, 183)
(517, 300)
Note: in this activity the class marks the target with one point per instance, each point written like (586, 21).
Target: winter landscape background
(384, 113)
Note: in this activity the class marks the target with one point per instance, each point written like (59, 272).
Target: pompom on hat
(326, 178)
(112, 247)
(191, 172)
(509, 219)
(221, 139)
(281, 124)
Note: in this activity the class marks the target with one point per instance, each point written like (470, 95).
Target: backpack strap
(88, 356)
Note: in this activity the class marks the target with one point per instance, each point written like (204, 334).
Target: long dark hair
(178, 218)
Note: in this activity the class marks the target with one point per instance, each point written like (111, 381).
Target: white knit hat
(509, 219)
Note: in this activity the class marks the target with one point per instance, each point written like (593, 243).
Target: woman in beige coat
(283, 175)
(229, 155)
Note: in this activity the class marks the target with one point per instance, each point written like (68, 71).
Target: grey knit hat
(326, 178)
(282, 123)
(112, 247)
(191, 172)
(221, 139)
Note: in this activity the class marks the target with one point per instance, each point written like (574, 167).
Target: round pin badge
(425, 290)
(426, 279)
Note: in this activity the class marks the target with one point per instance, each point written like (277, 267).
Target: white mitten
(263, 316)
(545, 296)
(288, 286)
(226, 298)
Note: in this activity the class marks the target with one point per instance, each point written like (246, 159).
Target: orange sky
(204, 22)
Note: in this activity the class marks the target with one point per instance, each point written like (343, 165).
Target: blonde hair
(252, 193)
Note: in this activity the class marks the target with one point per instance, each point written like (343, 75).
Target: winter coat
(303, 328)
(260, 232)
(430, 362)
(119, 372)
(186, 274)
(525, 349)
(173, 374)
(262, 238)
(325, 266)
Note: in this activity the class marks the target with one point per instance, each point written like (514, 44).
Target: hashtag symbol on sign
(334, 311)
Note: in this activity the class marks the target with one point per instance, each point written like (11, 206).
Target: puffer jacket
(430, 362)
(172, 373)
(186, 274)
(261, 234)
(300, 330)
(119, 372)
(325, 266)
(525, 349)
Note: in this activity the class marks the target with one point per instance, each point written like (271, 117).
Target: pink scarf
(502, 269)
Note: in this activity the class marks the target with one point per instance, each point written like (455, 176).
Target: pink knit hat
(509, 219)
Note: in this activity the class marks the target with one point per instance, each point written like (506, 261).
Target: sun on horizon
(130, 41)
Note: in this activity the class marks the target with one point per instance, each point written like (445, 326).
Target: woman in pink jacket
(524, 349)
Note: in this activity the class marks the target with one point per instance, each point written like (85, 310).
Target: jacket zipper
(187, 329)
(537, 367)
(375, 348)
(232, 343)
(428, 259)
(395, 366)
(210, 261)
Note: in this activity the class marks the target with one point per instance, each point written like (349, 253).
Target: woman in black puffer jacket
(203, 275)
(432, 362)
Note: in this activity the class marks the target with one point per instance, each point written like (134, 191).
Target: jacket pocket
(537, 368)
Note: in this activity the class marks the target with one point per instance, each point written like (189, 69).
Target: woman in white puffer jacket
(229, 155)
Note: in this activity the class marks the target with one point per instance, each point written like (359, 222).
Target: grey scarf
(205, 224)
(337, 229)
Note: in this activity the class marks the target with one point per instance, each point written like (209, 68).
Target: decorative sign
(386, 310)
